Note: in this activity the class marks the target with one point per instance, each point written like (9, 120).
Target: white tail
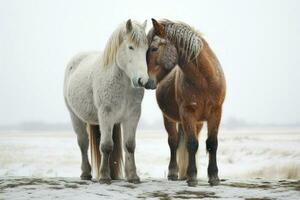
(182, 154)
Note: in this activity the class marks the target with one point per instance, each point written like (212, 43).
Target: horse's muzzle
(150, 84)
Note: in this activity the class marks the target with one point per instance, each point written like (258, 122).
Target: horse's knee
(83, 144)
(173, 142)
(130, 146)
(192, 144)
(211, 144)
(107, 147)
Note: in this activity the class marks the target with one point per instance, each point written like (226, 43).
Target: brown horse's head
(162, 54)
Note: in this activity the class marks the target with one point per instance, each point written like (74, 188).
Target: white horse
(103, 91)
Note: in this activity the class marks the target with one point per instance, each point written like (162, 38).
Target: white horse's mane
(137, 36)
(187, 40)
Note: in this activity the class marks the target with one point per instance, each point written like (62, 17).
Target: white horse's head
(131, 55)
(127, 47)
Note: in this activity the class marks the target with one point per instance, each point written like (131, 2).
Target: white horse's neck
(120, 74)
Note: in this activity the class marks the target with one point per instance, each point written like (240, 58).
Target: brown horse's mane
(186, 39)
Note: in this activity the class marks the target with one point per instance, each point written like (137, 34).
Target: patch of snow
(242, 157)
(70, 188)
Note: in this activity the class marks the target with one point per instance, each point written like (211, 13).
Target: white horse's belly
(79, 96)
(82, 105)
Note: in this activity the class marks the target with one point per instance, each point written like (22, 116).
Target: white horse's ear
(145, 24)
(128, 26)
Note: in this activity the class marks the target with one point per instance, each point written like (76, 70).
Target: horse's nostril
(140, 82)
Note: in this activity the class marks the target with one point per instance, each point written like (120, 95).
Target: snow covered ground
(73, 189)
(253, 164)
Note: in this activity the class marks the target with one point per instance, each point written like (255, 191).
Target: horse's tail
(116, 156)
(94, 139)
(182, 154)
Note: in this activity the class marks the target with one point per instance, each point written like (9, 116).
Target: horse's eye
(131, 48)
(154, 49)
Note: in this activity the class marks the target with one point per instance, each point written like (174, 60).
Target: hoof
(86, 177)
(105, 181)
(192, 183)
(172, 177)
(135, 180)
(214, 180)
(117, 179)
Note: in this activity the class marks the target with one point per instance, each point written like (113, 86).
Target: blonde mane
(186, 39)
(137, 36)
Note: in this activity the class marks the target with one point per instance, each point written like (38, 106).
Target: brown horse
(190, 90)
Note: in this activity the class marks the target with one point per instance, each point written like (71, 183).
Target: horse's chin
(134, 83)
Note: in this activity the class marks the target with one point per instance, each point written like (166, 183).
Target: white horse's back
(76, 61)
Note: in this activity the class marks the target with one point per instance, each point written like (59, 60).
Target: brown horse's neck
(204, 71)
(163, 73)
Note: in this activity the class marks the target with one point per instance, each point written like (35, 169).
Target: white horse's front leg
(129, 129)
(106, 146)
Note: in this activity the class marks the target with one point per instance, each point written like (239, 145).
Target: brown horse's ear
(159, 29)
(128, 26)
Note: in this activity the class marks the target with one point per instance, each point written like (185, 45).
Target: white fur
(99, 89)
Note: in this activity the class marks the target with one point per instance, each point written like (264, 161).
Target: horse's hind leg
(173, 144)
(83, 142)
(212, 146)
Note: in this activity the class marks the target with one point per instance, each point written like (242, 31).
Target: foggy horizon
(145, 125)
(257, 45)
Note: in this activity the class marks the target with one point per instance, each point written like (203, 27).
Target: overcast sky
(257, 43)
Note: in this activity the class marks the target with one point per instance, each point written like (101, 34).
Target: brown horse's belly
(165, 96)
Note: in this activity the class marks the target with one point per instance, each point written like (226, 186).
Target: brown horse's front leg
(173, 144)
(190, 130)
(212, 146)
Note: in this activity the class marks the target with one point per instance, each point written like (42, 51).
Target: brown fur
(188, 93)
(116, 157)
